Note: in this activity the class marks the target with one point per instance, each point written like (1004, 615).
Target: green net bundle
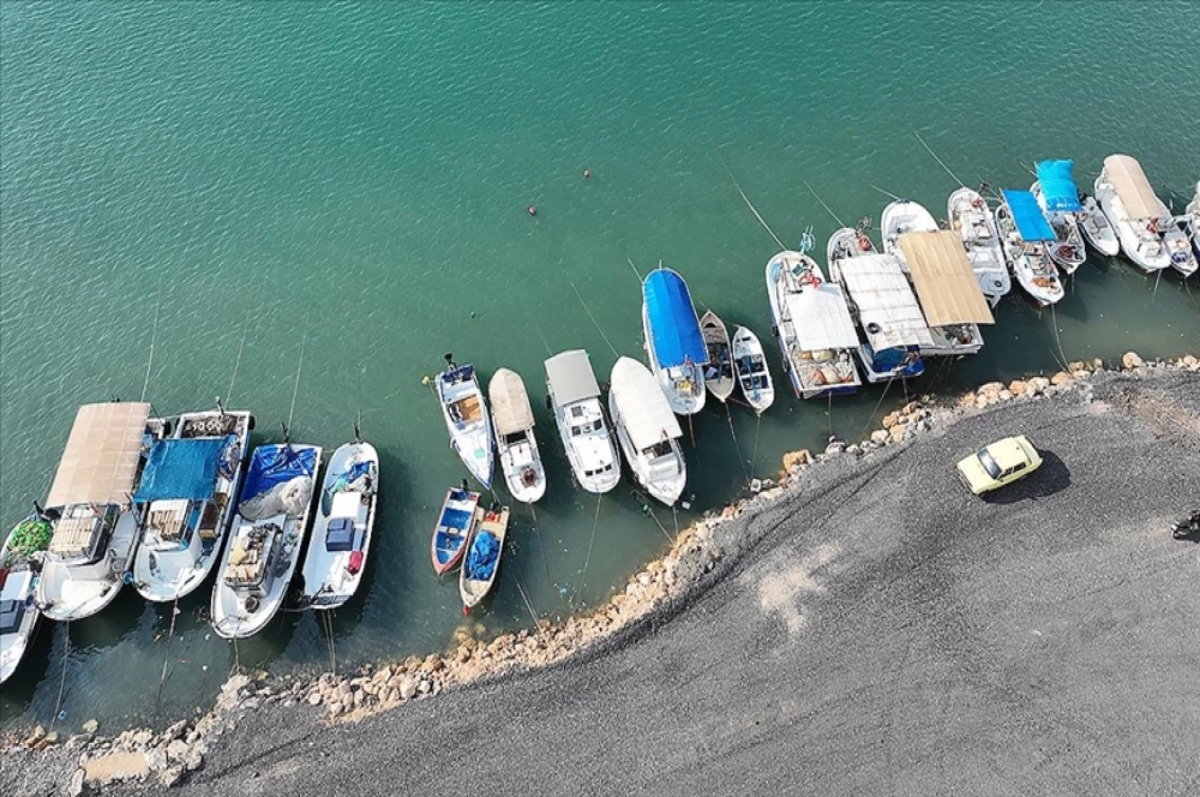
(30, 536)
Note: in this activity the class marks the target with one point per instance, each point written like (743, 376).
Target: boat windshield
(989, 464)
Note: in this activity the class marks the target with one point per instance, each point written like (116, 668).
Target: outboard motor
(1186, 527)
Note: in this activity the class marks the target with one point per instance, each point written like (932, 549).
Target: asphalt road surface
(882, 633)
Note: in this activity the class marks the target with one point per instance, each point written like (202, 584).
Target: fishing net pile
(288, 498)
(29, 537)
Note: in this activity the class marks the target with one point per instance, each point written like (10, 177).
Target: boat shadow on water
(1051, 478)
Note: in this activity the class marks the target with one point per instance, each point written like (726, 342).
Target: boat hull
(1098, 230)
(453, 529)
(516, 462)
(467, 420)
(972, 219)
(73, 592)
(1144, 250)
(682, 385)
(666, 490)
(20, 586)
(474, 590)
(1040, 284)
(754, 375)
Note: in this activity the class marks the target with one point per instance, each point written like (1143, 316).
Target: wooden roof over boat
(947, 287)
(100, 461)
(510, 402)
(1131, 185)
(571, 378)
(645, 412)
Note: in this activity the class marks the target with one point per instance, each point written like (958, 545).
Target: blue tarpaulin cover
(180, 469)
(1059, 191)
(482, 558)
(673, 324)
(276, 464)
(1027, 213)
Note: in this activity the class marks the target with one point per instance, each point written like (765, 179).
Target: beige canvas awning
(1131, 185)
(100, 462)
(946, 285)
(510, 403)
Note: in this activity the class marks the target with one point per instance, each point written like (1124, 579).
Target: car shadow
(1052, 477)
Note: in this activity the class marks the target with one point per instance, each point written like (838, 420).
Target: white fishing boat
(1192, 221)
(575, 401)
(971, 217)
(96, 526)
(948, 291)
(466, 418)
(481, 562)
(512, 418)
(812, 323)
(1135, 212)
(754, 377)
(1096, 228)
(881, 300)
(674, 342)
(188, 491)
(341, 537)
(1024, 232)
(899, 217)
(648, 430)
(268, 534)
(718, 376)
(1058, 197)
(20, 557)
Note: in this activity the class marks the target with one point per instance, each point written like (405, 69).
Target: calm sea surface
(353, 181)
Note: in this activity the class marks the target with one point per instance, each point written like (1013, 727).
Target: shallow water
(352, 182)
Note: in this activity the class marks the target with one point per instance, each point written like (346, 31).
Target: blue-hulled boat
(1058, 197)
(674, 342)
(453, 529)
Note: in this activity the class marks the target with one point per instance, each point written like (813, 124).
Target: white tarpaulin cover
(885, 302)
(821, 318)
(510, 403)
(1131, 185)
(571, 378)
(645, 412)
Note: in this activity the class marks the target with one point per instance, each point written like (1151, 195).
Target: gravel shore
(872, 630)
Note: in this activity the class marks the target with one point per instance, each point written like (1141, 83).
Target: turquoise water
(352, 181)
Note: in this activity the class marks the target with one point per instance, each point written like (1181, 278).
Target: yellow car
(1001, 463)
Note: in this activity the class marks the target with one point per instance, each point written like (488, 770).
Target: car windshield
(989, 464)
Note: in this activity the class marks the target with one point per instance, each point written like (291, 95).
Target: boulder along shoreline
(40, 760)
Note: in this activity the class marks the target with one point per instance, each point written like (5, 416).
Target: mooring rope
(594, 321)
(150, 361)
(537, 628)
(541, 542)
(62, 682)
(750, 205)
(736, 447)
(162, 679)
(587, 559)
(296, 388)
(827, 208)
(237, 363)
(936, 158)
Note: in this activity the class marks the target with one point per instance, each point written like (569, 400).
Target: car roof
(1008, 453)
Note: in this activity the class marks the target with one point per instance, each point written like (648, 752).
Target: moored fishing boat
(482, 560)
(971, 217)
(902, 216)
(455, 520)
(674, 342)
(467, 420)
(1024, 233)
(1058, 197)
(1134, 210)
(188, 490)
(341, 537)
(1097, 229)
(754, 377)
(718, 377)
(268, 533)
(882, 302)
(812, 323)
(947, 290)
(648, 430)
(96, 527)
(1192, 221)
(20, 556)
(575, 401)
(512, 419)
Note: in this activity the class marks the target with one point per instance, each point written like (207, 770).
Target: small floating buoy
(472, 314)
(466, 612)
(587, 173)
(425, 379)
(533, 210)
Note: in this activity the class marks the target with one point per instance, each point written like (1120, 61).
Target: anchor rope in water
(1057, 339)
(296, 388)
(757, 429)
(885, 193)
(594, 321)
(736, 447)
(162, 679)
(541, 542)
(150, 361)
(827, 208)
(587, 559)
(237, 363)
(537, 628)
(882, 396)
(62, 682)
(750, 205)
(936, 158)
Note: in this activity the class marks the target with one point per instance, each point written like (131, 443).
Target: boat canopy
(821, 318)
(510, 403)
(273, 465)
(887, 308)
(571, 378)
(645, 412)
(1131, 185)
(1059, 192)
(100, 461)
(181, 469)
(674, 328)
(947, 287)
(1027, 214)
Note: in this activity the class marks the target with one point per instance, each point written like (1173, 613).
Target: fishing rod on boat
(929, 149)
(822, 202)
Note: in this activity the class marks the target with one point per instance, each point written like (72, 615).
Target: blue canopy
(276, 464)
(674, 328)
(181, 469)
(1027, 213)
(1059, 191)
(482, 558)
